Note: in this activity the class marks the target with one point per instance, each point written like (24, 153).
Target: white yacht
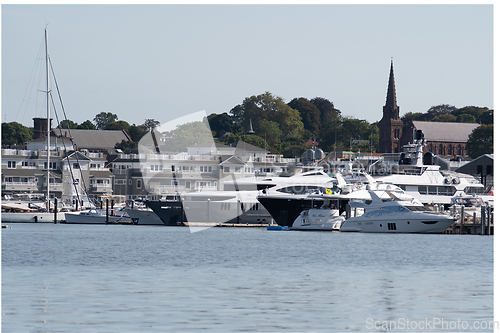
(332, 214)
(398, 214)
(285, 204)
(238, 204)
(416, 175)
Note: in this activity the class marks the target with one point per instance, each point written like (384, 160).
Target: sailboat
(23, 211)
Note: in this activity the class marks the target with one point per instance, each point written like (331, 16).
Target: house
(69, 172)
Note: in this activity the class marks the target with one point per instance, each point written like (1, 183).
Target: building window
(130, 181)
(204, 168)
(227, 169)
(156, 167)
(139, 183)
(11, 164)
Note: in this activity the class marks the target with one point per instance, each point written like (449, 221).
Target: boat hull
(31, 217)
(422, 223)
(175, 212)
(318, 220)
(144, 217)
(83, 218)
(285, 211)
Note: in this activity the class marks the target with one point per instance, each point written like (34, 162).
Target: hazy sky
(165, 61)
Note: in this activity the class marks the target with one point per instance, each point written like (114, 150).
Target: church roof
(445, 132)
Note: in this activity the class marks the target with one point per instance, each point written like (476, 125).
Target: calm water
(90, 278)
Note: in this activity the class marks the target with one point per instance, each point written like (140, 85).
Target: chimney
(40, 128)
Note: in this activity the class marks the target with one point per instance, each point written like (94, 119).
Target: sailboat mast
(48, 119)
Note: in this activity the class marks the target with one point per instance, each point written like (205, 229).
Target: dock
(473, 225)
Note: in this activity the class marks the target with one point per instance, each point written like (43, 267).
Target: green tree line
(283, 128)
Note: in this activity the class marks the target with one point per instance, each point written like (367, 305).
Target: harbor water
(117, 278)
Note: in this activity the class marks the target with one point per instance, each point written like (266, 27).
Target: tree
(188, 134)
(137, 132)
(481, 115)
(270, 131)
(293, 147)
(120, 125)
(220, 123)
(237, 114)
(309, 114)
(486, 117)
(258, 142)
(151, 124)
(327, 110)
(15, 133)
(67, 124)
(87, 124)
(272, 108)
(103, 119)
(126, 146)
(480, 141)
(289, 121)
(411, 116)
(437, 110)
(445, 117)
(466, 118)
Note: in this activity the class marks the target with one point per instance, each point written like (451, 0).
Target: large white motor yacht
(399, 214)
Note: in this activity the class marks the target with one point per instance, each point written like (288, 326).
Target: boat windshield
(417, 208)
(399, 209)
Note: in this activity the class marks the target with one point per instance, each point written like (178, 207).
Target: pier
(473, 225)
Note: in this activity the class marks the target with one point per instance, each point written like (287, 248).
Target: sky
(167, 61)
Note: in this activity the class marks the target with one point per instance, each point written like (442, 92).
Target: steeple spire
(250, 128)
(391, 109)
(390, 126)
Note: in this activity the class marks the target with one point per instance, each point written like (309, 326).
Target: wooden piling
(55, 210)
(462, 208)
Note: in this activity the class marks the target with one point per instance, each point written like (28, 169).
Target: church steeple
(390, 126)
(390, 102)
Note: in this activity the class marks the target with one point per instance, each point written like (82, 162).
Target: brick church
(444, 139)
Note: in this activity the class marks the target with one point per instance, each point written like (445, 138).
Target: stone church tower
(390, 126)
